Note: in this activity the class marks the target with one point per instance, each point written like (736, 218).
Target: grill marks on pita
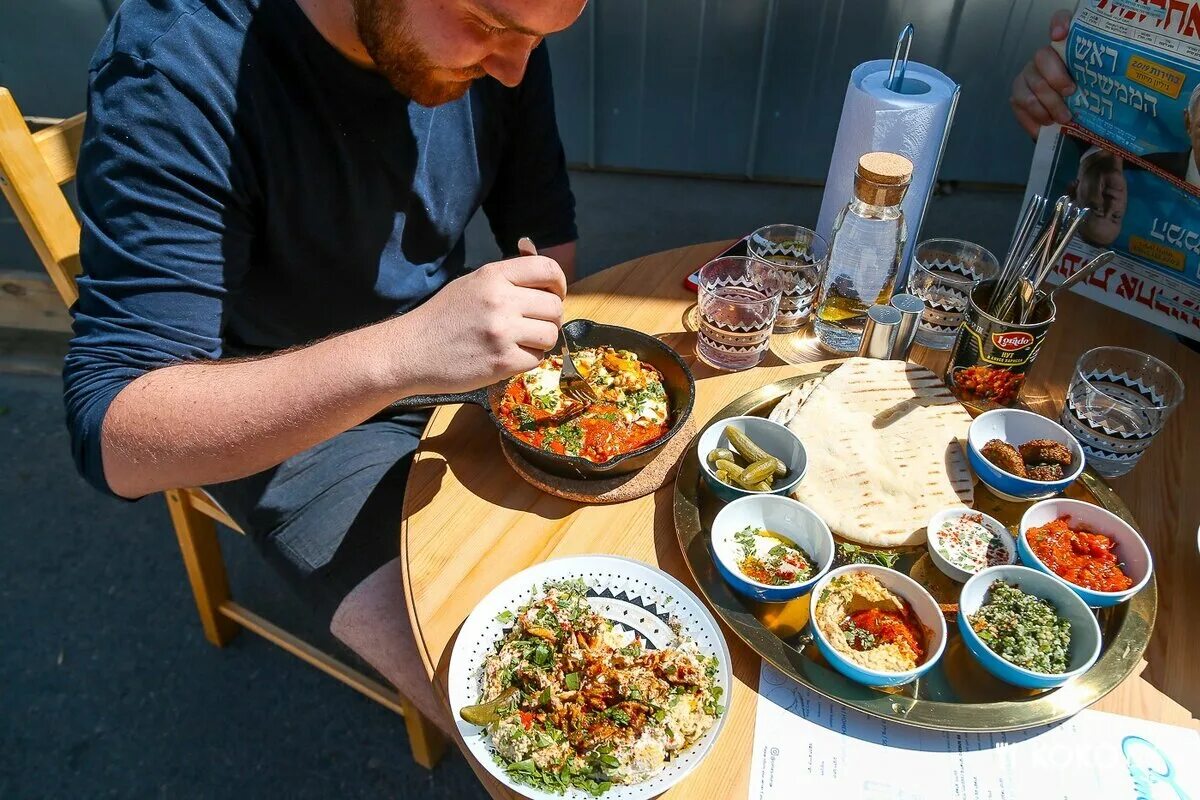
(884, 449)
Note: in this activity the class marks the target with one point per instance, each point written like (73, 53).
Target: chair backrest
(33, 168)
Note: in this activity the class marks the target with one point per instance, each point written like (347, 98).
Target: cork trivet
(603, 491)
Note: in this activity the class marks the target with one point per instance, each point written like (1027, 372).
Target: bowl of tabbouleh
(876, 626)
(1027, 628)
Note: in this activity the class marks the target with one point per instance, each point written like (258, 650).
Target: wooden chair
(33, 167)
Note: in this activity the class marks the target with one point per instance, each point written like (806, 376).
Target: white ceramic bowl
(1131, 549)
(783, 515)
(1016, 427)
(1085, 631)
(776, 439)
(923, 605)
(933, 540)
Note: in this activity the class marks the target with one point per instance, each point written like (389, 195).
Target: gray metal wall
(749, 88)
(754, 88)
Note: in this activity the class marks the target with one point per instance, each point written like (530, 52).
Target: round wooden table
(470, 522)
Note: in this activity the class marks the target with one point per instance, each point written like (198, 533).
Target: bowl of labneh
(1095, 552)
(963, 542)
(771, 548)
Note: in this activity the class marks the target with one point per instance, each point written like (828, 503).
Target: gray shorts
(330, 516)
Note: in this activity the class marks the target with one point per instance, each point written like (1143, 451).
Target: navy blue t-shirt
(244, 188)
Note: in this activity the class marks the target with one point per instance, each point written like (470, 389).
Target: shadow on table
(670, 559)
(684, 343)
(482, 470)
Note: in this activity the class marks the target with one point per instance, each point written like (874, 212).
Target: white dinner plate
(635, 597)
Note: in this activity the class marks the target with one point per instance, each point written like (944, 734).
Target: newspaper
(1136, 64)
(806, 746)
(1152, 225)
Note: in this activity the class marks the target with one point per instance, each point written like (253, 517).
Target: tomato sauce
(891, 627)
(604, 431)
(1001, 386)
(1084, 558)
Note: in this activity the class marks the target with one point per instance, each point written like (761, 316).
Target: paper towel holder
(895, 79)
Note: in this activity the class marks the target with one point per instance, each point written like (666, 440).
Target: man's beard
(384, 31)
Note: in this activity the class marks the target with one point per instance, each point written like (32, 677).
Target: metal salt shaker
(910, 308)
(879, 332)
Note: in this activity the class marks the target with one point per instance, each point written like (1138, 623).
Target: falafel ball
(1045, 472)
(1004, 456)
(1046, 451)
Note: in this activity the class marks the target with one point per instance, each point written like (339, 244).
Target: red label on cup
(1012, 341)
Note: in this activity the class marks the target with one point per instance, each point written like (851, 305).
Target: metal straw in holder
(1033, 253)
(879, 332)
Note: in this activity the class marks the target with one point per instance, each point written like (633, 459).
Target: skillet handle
(477, 396)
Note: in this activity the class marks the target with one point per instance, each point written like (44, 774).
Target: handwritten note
(807, 746)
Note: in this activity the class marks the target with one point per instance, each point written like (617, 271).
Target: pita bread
(786, 408)
(884, 442)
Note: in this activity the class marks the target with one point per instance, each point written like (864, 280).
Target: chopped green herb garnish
(618, 715)
(847, 553)
(1023, 629)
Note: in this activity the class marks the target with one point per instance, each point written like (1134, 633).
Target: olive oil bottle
(864, 251)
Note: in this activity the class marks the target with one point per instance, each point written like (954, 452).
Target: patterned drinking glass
(738, 299)
(943, 272)
(1118, 401)
(799, 255)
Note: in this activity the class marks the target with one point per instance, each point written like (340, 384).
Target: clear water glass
(942, 274)
(738, 300)
(1118, 401)
(799, 255)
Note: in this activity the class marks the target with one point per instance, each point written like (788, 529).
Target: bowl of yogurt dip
(964, 542)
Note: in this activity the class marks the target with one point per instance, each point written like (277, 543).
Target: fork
(571, 383)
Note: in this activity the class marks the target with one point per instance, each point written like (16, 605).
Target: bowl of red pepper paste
(1095, 552)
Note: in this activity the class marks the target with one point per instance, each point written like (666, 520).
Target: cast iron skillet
(677, 380)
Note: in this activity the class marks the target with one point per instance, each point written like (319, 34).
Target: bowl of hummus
(876, 626)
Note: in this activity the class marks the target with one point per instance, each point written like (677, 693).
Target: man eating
(273, 196)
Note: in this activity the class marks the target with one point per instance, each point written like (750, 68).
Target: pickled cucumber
(751, 451)
(759, 471)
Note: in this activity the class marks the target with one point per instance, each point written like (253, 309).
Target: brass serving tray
(957, 694)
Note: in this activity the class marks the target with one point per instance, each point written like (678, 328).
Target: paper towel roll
(913, 122)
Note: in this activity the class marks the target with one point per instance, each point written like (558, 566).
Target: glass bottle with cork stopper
(864, 251)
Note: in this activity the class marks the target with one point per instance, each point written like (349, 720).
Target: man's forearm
(200, 423)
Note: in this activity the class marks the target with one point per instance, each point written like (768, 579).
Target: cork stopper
(882, 178)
